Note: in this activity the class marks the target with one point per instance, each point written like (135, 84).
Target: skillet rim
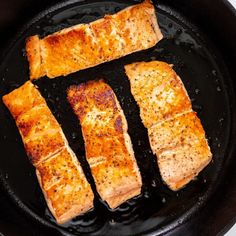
(24, 208)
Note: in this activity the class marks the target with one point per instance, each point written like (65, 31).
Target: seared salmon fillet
(108, 146)
(59, 173)
(175, 133)
(85, 45)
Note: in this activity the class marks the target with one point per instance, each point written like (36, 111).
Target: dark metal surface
(14, 223)
(205, 61)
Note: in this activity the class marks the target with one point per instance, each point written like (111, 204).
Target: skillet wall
(218, 20)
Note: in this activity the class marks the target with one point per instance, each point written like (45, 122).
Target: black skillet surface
(207, 81)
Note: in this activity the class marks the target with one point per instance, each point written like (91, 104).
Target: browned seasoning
(85, 45)
(108, 147)
(175, 133)
(60, 176)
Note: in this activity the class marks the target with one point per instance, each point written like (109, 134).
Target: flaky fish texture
(59, 173)
(108, 146)
(175, 133)
(85, 45)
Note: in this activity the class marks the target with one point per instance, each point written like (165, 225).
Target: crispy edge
(48, 201)
(149, 8)
(33, 50)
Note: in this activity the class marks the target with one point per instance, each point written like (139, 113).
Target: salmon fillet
(59, 173)
(175, 133)
(85, 45)
(108, 146)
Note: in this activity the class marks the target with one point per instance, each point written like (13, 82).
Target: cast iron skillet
(206, 71)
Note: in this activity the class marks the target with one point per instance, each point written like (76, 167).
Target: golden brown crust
(158, 91)
(61, 178)
(33, 50)
(86, 45)
(68, 52)
(41, 133)
(108, 147)
(175, 133)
